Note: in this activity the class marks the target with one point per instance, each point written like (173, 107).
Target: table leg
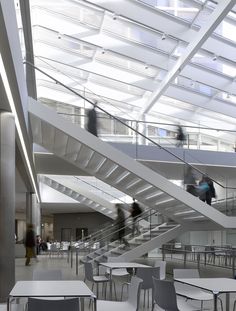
(95, 303)
(215, 301)
(227, 301)
(198, 260)
(8, 304)
(82, 303)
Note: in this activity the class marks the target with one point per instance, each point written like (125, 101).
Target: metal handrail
(144, 214)
(128, 126)
(122, 228)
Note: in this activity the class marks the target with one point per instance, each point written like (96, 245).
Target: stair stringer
(153, 243)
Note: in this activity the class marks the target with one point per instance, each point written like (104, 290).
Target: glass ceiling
(119, 52)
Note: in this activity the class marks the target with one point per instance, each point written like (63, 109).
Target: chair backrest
(164, 295)
(185, 273)
(146, 275)
(88, 271)
(50, 275)
(53, 305)
(162, 265)
(134, 291)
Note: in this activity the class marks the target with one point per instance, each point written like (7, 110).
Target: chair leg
(201, 305)
(221, 304)
(97, 289)
(234, 306)
(90, 300)
(114, 284)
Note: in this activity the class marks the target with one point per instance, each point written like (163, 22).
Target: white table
(120, 265)
(51, 289)
(214, 285)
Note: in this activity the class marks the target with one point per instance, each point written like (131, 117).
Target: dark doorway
(66, 234)
(81, 233)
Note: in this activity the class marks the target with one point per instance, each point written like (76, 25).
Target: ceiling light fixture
(114, 16)
(214, 57)
(163, 37)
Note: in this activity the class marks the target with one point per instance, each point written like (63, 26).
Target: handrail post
(71, 258)
(76, 262)
(150, 225)
(185, 256)
(233, 263)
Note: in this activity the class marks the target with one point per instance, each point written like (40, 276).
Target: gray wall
(92, 221)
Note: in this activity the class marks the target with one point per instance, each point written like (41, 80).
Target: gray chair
(162, 265)
(191, 292)
(132, 304)
(53, 305)
(48, 275)
(146, 274)
(164, 296)
(102, 279)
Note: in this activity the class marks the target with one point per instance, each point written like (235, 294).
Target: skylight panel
(138, 34)
(179, 8)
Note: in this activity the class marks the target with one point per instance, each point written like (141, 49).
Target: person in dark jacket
(135, 211)
(29, 244)
(92, 121)
(207, 190)
(180, 137)
(120, 225)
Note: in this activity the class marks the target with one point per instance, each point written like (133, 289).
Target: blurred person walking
(190, 181)
(135, 211)
(30, 244)
(180, 137)
(120, 225)
(206, 189)
(92, 120)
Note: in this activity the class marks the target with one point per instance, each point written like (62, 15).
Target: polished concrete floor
(68, 273)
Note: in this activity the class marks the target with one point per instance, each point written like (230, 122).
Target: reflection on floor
(25, 273)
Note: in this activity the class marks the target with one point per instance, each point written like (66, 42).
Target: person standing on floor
(29, 244)
(135, 212)
(120, 225)
(92, 120)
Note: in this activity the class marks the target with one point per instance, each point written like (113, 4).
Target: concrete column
(7, 204)
(36, 214)
(142, 129)
(29, 219)
(33, 213)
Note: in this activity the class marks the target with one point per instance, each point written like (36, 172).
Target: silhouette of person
(207, 190)
(135, 211)
(92, 120)
(30, 244)
(180, 137)
(190, 181)
(120, 225)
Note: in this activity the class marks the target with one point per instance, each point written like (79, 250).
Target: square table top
(214, 285)
(114, 265)
(51, 289)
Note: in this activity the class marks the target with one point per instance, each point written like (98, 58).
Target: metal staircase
(108, 164)
(86, 198)
(143, 242)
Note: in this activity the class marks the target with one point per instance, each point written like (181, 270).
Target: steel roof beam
(214, 20)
